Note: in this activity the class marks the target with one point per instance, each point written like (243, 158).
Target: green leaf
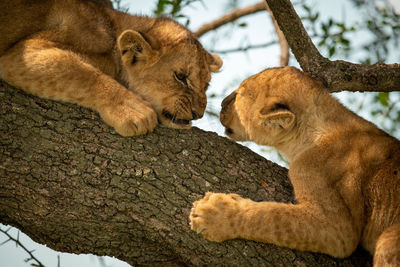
(306, 8)
(324, 28)
(332, 51)
(375, 112)
(341, 25)
(345, 42)
(315, 17)
(383, 98)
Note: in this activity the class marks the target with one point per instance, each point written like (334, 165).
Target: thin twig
(241, 12)
(18, 243)
(230, 17)
(212, 114)
(244, 48)
(283, 44)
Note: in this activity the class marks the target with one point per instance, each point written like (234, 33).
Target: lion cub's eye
(181, 77)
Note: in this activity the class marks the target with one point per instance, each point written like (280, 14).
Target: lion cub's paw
(217, 216)
(133, 116)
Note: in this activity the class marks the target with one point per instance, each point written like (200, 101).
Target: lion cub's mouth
(175, 120)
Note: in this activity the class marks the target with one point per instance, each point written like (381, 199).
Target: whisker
(174, 116)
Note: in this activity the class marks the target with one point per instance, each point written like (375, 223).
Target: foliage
(387, 112)
(332, 35)
(173, 9)
(383, 23)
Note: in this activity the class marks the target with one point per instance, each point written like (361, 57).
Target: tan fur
(80, 52)
(344, 170)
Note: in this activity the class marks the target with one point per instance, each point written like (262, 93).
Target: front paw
(217, 216)
(131, 116)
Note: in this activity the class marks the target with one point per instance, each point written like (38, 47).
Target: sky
(236, 68)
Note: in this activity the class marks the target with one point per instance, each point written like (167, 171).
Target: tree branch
(243, 48)
(335, 75)
(241, 12)
(18, 243)
(284, 46)
(230, 17)
(70, 182)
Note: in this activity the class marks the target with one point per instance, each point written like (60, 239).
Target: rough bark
(336, 75)
(70, 182)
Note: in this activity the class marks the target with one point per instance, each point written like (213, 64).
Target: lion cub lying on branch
(344, 170)
(80, 52)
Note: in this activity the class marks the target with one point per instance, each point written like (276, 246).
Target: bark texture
(335, 75)
(70, 182)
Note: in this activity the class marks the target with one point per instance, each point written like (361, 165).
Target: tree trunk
(70, 182)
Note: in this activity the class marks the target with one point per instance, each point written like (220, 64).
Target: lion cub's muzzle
(180, 112)
(176, 120)
(224, 117)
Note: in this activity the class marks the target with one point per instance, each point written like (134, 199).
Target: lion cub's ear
(277, 118)
(214, 62)
(135, 50)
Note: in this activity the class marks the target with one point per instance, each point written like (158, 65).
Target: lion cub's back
(80, 24)
(382, 194)
(21, 18)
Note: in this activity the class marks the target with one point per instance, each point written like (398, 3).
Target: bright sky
(236, 68)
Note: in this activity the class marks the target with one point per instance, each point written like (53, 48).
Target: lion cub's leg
(387, 250)
(38, 67)
(304, 227)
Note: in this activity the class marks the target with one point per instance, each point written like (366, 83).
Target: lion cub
(344, 170)
(133, 70)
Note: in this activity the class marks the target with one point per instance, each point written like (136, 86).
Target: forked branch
(336, 75)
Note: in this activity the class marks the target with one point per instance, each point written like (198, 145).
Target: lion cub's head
(168, 66)
(269, 108)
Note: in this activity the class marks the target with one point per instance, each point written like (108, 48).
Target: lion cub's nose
(196, 115)
(228, 99)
